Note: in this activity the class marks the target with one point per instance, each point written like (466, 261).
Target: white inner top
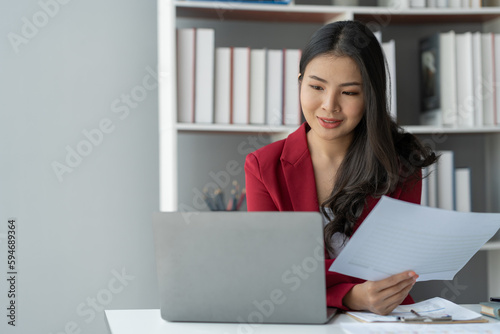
(337, 240)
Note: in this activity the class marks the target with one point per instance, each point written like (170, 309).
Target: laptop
(241, 267)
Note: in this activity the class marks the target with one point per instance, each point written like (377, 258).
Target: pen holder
(215, 201)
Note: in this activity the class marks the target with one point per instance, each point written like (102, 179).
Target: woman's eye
(316, 87)
(350, 93)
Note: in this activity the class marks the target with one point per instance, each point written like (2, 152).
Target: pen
(219, 201)
(424, 318)
(208, 200)
(235, 199)
(242, 198)
(415, 312)
(229, 204)
(236, 186)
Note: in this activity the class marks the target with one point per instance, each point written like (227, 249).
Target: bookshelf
(184, 148)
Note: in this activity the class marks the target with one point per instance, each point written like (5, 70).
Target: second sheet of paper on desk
(398, 236)
(435, 308)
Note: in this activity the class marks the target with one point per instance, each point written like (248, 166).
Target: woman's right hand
(380, 297)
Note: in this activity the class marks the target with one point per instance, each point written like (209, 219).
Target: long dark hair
(381, 155)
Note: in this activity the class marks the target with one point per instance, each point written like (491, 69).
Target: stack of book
(445, 186)
(459, 76)
(491, 308)
(235, 85)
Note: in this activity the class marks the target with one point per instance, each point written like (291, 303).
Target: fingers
(395, 282)
(395, 285)
(385, 295)
(393, 300)
(397, 278)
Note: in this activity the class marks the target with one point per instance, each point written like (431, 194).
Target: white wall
(78, 232)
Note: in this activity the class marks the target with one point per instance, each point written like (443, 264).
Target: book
(186, 43)
(432, 199)
(448, 83)
(438, 80)
(241, 85)
(417, 3)
(488, 88)
(465, 83)
(274, 87)
(430, 95)
(223, 83)
(496, 95)
(204, 73)
(291, 104)
(258, 86)
(463, 189)
(478, 78)
(475, 4)
(442, 3)
(491, 309)
(396, 4)
(390, 55)
(446, 181)
(424, 199)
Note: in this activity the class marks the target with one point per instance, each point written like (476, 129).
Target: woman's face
(331, 95)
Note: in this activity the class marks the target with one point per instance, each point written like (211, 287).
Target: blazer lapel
(298, 171)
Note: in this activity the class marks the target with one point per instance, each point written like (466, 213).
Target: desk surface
(150, 322)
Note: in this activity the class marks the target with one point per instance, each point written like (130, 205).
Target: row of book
(460, 73)
(235, 85)
(239, 85)
(445, 186)
(435, 3)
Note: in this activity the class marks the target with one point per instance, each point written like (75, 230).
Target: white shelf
(321, 14)
(259, 12)
(235, 128)
(422, 129)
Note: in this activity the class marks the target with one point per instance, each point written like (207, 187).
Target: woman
(347, 154)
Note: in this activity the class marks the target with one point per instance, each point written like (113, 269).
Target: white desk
(150, 322)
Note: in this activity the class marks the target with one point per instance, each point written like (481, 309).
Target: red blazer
(280, 177)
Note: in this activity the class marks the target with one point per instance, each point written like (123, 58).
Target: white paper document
(434, 308)
(391, 328)
(398, 236)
